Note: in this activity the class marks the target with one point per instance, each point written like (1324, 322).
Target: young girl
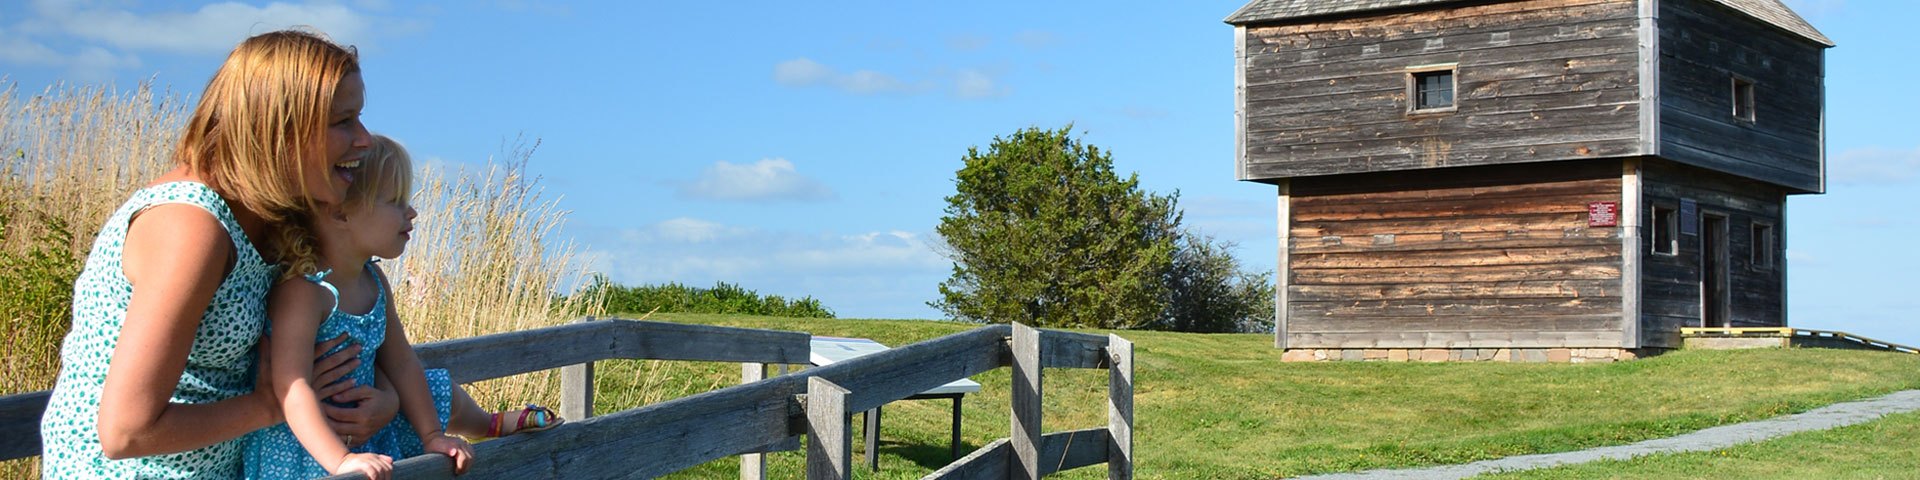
(332, 287)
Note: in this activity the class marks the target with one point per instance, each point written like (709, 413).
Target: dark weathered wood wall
(1670, 284)
(1702, 46)
(1479, 257)
(1538, 80)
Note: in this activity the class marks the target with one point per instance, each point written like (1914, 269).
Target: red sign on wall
(1603, 214)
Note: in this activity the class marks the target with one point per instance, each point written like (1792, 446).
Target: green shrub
(39, 274)
(722, 298)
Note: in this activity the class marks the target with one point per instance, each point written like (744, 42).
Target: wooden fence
(762, 415)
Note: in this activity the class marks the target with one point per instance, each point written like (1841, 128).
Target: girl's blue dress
(274, 453)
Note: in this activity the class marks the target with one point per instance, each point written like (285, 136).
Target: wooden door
(1713, 271)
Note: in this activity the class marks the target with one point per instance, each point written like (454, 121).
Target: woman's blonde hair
(263, 117)
(385, 175)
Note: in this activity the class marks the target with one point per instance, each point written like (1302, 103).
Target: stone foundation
(1555, 355)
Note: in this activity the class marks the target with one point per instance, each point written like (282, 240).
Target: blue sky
(805, 148)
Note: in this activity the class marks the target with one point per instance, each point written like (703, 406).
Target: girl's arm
(297, 307)
(175, 256)
(409, 378)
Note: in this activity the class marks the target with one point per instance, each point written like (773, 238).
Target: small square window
(1763, 246)
(1742, 99)
(1431, 89)
(1665, 222)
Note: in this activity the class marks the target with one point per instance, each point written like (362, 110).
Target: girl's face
(382, 228)
(346, 142)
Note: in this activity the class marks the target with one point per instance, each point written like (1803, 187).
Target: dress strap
(320, 277)
(200, 195)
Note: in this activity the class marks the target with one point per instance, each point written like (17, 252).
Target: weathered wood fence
(759, 416)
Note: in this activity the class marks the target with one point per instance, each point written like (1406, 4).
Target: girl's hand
(459, 450)
(375, 466)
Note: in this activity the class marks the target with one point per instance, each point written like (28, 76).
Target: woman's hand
(329, 369)
(453, 447)
(372, 408)
(375, 466)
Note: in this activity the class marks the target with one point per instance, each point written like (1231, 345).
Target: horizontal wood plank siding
(1537, 80)
(1477, 257)
(1703, 46)
(1670, 284)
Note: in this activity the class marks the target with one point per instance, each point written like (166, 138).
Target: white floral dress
(220, 364)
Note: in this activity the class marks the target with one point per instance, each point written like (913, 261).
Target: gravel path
(1837, 415)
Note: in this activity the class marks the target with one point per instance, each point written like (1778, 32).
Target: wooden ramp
(1761, 337)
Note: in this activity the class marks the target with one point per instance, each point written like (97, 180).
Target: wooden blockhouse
(1529, 178)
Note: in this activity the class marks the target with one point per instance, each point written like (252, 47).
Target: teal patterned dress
(274, 453)
(219, 365)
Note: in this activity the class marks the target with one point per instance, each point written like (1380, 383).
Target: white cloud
(86, 64)
(213, 29)
(975, 83)
(967, 83)
(771, 179)
(693, 230)
(92, 39)
(545, 8)
(968, 43)
(804, 72)
(873, 274)
(1874, 166)
(800, 72)
(1036, 39)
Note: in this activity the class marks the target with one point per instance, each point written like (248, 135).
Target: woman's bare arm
(175, 256)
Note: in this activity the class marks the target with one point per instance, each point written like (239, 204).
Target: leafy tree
(1042, 232)
(1208, 292)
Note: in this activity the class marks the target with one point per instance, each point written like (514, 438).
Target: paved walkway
(1837, 415)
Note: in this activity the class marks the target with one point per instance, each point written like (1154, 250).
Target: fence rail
(654, 440)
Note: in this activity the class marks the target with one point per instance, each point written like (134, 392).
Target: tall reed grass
(71, 155)
(479, 263)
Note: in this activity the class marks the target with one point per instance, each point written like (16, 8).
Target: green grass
(1222, 406)
(1882, 448)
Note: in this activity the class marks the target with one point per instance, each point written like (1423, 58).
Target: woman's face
(346, 141)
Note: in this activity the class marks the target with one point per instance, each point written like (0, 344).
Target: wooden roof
(1770, 12)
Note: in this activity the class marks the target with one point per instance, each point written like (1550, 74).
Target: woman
(158, 372)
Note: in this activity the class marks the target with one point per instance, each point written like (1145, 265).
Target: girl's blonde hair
(385, 175)
(262, 119)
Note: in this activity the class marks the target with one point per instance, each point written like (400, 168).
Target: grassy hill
(1224, 407)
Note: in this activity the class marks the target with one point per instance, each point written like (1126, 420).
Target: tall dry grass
(479, 262)
(72, 153)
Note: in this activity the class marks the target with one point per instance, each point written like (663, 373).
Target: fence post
(1025, 437)
(1119, 408)
(829, 428)
(753, 466)
(576, 388)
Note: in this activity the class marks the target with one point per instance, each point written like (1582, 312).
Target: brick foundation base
(1556, 355)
